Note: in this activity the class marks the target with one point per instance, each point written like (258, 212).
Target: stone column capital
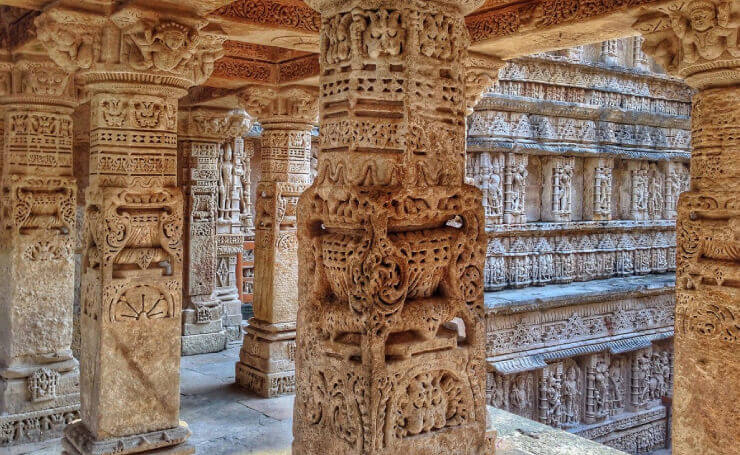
(176, 48)
(30, 80)
(695, 40)
(481, 71)
(212, 123)
(282, 104)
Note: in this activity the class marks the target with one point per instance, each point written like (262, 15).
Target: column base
(267, 359)
(38, 400)
(232, 312)
(203, 330)
(36, 426)
(79, 441)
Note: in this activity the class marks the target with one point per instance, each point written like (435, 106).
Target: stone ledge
(520, 436)
(510, 301)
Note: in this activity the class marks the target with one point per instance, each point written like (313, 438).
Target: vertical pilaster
(203, 133)
(287, 116)
(697, 41)
(135, 63)
(391, 241)
(39, 377)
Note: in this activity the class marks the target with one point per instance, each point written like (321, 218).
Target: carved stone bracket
(184, 48)
(281, 104)
(481, 71)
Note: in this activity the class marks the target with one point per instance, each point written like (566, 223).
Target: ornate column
(135, 64)
(287, 115)
(698, 41)
(39, 377)
(392, 241)
(202, 131)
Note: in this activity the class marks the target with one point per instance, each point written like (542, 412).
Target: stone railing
(536, 254)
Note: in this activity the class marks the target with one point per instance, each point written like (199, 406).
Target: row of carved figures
(538, 260)
(588, 389)
(636, 190)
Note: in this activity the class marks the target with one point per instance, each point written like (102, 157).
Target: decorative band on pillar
(390, 329)
(135, 63)
(698, 40)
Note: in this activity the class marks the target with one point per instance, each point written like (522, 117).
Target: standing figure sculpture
(226, 183)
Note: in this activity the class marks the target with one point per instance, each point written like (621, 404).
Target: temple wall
(581, 155)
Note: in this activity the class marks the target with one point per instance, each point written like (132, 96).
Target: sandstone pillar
(390, 331)
(202, 133)
(698, 41)
(135, 64)
(39, 377)
(287, 115)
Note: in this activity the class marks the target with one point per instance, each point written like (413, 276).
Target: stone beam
(283, 23)
(513, 30)
(245, 63)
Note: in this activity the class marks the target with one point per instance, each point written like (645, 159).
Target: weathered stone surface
(520, 436)
(697, 40)
(39, 378)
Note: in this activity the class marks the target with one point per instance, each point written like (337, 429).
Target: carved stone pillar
(39, 377)
(639, 58)
(135, 64)
(287, 115)
(392, 241)
(202, 133)
(698, 41)
(230, 234)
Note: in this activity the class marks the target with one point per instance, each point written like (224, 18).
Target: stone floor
(224, 419)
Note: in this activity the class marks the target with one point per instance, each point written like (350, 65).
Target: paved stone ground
(224, 419)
